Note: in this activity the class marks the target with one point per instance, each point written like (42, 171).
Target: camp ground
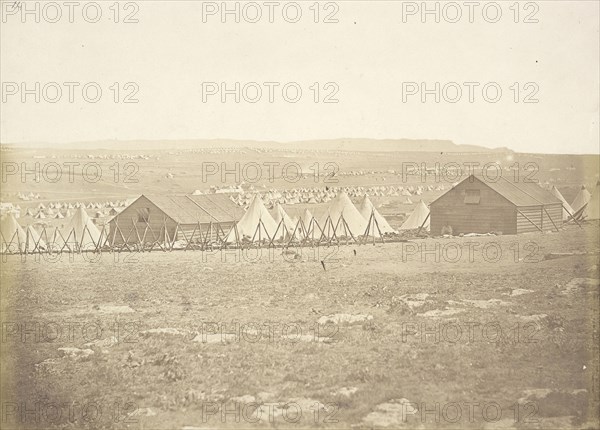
(218, 220)
(376, 302)
(348, 298)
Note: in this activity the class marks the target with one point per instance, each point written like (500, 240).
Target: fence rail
(202, 237)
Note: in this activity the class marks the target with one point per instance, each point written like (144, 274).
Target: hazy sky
(368, 54)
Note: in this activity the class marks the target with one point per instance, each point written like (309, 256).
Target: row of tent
(77, 205)
(28, 196)
(65, 210)
(58, 214)
(80, 233)
(340, 219)
(66, 206)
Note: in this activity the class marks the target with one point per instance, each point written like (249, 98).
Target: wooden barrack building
(165, 219)
(482, 205)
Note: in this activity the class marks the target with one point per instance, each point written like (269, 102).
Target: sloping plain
(170, 365)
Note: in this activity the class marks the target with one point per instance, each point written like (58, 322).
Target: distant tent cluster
(317, 195)
(28, 196)
(60, 210)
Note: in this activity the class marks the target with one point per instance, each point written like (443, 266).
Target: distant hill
(353, 144)
(400, 145)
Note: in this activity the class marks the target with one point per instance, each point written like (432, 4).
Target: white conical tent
(308, 218)
(256, 224)
(582, 198)
(57, 240)
(567, 209)
(592, 210)
(14, 238)
(283, 220)
(367, 210)
(311, 227)
(417, 218)
(296, 222)
(343, 216)
(81, 233)
(34, 241)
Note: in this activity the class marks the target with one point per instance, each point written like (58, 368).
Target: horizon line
(49, 145)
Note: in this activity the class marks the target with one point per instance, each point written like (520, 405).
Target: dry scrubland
(119, 179)
(363, 367)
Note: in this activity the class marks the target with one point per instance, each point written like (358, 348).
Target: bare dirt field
(479, 332)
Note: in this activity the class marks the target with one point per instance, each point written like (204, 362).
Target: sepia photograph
(297, 215)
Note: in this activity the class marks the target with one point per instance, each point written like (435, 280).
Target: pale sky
(368, 54)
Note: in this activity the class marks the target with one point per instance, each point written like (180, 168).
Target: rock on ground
(486, 304)
(441, 312)
(345, 391)
(75, 353)
(581, 285)
(166, 330)
(520, 292)
(111, 309)
(344, 318)
(395, 413)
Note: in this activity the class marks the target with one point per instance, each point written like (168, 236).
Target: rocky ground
(480, 332)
